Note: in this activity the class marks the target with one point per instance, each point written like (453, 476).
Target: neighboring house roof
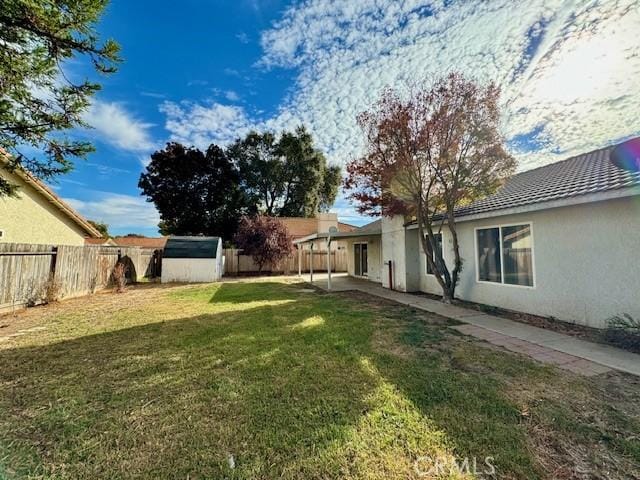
(299, 227)
(345, 227)
(51, 197)
(373, 228)
(145, 242)
(584, 178)
(99, 241)
(302, 226)
(191, 247)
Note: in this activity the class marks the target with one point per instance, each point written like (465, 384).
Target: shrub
(265, 239)
(47, 292)
(32, 294)
(623, 331)
(119, 277)
(52, 290)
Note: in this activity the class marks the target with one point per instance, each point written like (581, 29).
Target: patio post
(311, 262)
(299, 259)
(329, 262)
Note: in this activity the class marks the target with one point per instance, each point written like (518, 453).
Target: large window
(505, 255)
(438, 238)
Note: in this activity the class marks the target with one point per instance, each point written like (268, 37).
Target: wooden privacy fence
(237, 264)
(26, 269)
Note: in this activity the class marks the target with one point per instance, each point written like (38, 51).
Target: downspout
(329, 262)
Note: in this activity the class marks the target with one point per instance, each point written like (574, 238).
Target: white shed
(192, 259)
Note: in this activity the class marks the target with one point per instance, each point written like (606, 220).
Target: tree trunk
(438, 267)
(447, 280)
(457, 268)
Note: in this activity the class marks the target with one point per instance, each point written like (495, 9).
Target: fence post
(329, 263)
(54, 261)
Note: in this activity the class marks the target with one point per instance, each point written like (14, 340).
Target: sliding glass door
(360, 252)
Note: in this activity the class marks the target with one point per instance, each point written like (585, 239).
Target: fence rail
(237, 264)
(25, 269)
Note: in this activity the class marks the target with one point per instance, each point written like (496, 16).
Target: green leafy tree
(195, 192)
(103, 228)
(286, 176)
(38, 102)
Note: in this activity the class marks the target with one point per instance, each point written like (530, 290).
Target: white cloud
(243, 37)
(144, 160)
(107, 170)
(231, 95)
(201, 125)
(569, 70)
(117, 210)
(232, 72)
(117, 127)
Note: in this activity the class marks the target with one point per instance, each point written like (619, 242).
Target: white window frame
(353, 250)
(426, 263)
(533, 254)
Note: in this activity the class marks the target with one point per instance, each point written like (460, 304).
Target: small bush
(52, 290)
(119, 277)
(623, 331)
(32, 294)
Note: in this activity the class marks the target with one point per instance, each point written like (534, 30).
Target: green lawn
(263, 380)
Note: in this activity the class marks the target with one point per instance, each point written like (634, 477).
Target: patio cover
(368, 230)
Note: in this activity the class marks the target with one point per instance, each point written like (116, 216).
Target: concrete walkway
(571, 353)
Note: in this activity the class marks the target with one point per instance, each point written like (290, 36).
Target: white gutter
(548, 205)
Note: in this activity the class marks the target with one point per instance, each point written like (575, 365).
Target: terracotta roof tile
(345, 227)
(98, 241)
(147, 242)
(300, 227)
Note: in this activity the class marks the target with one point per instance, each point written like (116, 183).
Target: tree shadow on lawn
(522, 414)
(176, 398)
(294, 390)
(242, 293)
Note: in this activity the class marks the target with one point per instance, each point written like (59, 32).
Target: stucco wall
(374, 257)
(394, 250)
(586, 260)
(30, 218)
(326, 221)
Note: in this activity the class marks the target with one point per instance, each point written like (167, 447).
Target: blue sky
(202, 71)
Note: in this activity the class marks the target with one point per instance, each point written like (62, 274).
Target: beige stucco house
(558, 241)
(37, 215)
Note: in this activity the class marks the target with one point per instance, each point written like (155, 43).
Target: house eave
(334, 236)
(535, 207)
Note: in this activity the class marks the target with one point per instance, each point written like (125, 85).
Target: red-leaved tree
(265, 239)
(428, 153)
